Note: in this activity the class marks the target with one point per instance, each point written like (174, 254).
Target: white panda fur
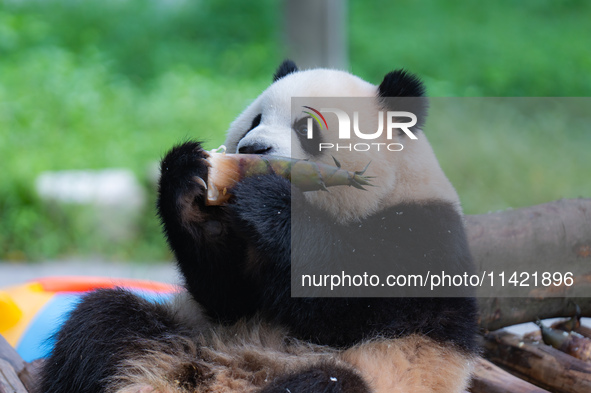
(185, 348)
(410, 177)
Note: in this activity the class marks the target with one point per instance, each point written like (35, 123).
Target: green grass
(100, 84)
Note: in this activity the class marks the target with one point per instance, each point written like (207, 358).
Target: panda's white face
(271, 133)
(267, 127)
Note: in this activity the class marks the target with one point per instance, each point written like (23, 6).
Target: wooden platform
(16, 375)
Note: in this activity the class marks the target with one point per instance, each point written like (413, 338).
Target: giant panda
(237, 328)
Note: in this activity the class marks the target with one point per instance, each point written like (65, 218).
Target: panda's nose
(255, 148)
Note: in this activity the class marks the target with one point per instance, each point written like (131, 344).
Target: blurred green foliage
(512, 152)
(519, 48)
(115, 83)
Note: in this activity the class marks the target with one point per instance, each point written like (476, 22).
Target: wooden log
(29, 374)
(552, 237)
(538, 363)
(584, 331)
(488, 378)
(9, 354)
(9, 381)
(548, 236)
(497, 313)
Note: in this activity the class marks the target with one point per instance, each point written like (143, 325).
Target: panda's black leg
(323, 378)
(105, 328)
(208, 249)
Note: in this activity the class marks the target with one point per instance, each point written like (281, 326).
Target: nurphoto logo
(393, 122)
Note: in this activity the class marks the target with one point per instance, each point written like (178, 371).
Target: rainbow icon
(315, 116)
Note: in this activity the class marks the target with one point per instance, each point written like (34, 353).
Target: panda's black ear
(286, 68)
(401, 83)
(402, 91)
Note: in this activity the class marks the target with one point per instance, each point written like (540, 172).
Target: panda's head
(270, 125)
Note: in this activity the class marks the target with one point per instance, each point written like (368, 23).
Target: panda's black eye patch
(255, 123)
(310, 146)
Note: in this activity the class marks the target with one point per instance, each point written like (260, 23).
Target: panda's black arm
(235, 258)
(278, 220)
(207, 248)
(107, 327)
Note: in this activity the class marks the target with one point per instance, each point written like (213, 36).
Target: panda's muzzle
(255, 148)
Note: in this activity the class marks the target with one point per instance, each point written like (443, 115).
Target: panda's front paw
(182, 189)
(183, 166)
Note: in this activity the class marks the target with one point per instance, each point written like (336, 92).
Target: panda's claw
(200, 181)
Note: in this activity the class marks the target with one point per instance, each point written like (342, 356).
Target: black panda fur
(287, 67)
(237, 329)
